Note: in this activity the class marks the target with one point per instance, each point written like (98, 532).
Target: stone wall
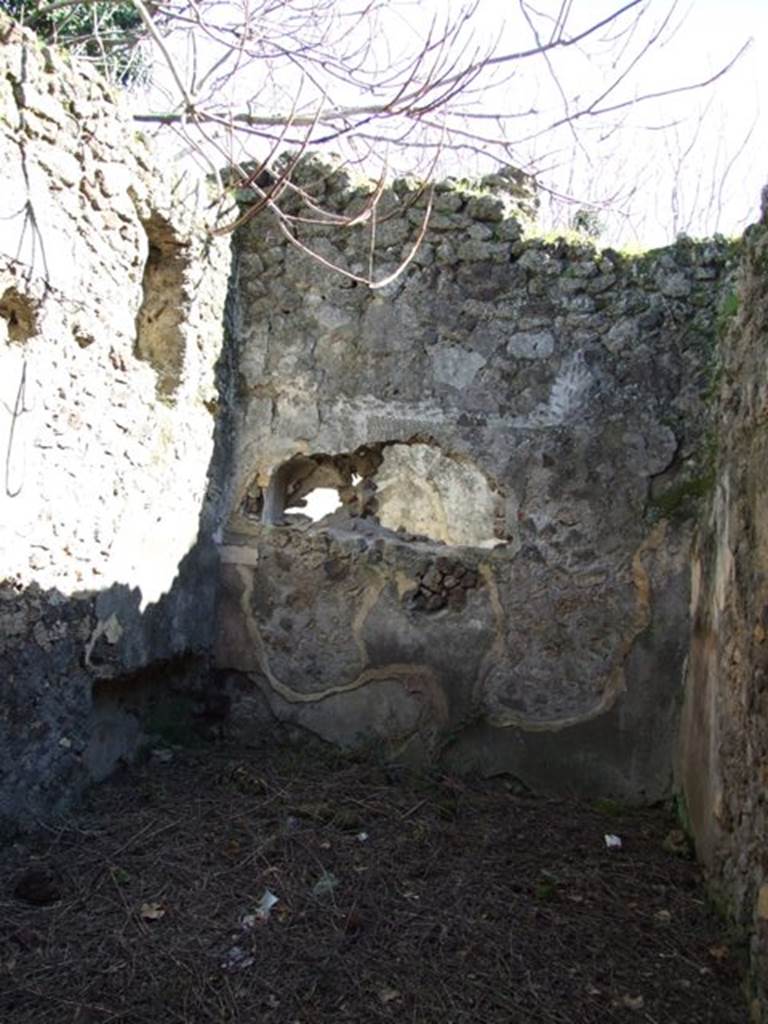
(516, 437)
(516, 431)
(724, 743)
(111, 313)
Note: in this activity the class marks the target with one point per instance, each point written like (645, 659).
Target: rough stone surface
(520, 434)
(572, 383)
(106, 511)
(421, 491)
(724, 742)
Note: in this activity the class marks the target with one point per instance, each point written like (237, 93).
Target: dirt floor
(398, 898)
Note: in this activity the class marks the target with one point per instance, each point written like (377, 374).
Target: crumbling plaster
(574, 382)
(522, 434)
(108, 501)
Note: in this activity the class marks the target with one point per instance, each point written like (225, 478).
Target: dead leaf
(455, 784)
(633, 1002)
(152, 911)
(719, 952)
(353, 923)
(246, 781)
(388, 995)
(325, 884)
(676, 842)
(232, 848)
(663, 916)
(349, 819)
(316, 810)
(237, 959)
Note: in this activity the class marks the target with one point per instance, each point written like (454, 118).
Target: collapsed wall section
(724, 737)
(111, 306)
(543, 409)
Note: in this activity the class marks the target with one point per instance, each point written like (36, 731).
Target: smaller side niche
(18, 312)
(159, 334)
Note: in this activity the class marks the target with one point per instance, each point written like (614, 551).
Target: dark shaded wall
(724, 738)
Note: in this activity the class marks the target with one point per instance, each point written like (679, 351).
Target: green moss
(726, 313)
(588, 247)
(693, 480)
(610, 808)
(545, 889)
(677, 501)
(681, 813)
(729, 307)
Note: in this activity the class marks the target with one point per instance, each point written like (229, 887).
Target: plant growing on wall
(109, 34)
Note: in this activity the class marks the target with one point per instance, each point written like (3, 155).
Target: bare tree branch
(241, 81)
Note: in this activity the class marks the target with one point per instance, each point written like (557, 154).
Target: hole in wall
(18, 312)
(159, 334)
(314, 487)
(321, 502)
(410, 488)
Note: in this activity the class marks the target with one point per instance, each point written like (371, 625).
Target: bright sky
(704, 171)
(692, 162)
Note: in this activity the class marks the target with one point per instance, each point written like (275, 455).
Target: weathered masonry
(111, 311)
(512, 435)
(723, 752)
(506, 514)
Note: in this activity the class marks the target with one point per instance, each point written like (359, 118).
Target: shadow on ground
(398, 898)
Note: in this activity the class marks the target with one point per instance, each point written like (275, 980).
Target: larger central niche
(409, 488)
(422, 491)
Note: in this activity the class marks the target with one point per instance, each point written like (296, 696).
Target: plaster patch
(425, 492)
(456, 366)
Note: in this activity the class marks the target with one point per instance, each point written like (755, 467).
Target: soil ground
(399, 898)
